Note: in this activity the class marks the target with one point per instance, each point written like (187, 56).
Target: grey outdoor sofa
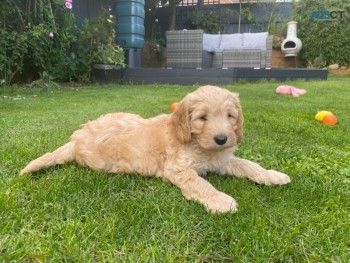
(195, 49)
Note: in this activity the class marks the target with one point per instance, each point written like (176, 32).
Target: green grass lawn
(69, 213)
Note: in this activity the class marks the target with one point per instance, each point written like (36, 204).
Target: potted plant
(109, 53)
(106, 57)
(108, 62)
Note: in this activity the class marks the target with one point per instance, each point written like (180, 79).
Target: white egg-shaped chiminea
(291, 46)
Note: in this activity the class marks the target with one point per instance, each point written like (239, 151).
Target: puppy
(200, 136)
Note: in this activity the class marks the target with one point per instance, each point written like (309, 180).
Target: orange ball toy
(330, 119)
(173, 106)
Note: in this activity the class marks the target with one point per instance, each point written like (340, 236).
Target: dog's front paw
(221, 203)
(272, 177)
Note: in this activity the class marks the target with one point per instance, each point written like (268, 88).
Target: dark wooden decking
(203, 76)
(217, 76)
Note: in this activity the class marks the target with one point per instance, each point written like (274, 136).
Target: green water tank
(130, 23)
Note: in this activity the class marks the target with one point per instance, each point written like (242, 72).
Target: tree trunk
(239, 16)
(172, 24)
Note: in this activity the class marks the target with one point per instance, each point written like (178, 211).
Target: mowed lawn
(70, 213)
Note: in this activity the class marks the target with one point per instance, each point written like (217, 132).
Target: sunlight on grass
(70, 213)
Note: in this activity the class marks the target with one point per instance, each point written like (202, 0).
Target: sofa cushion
(211, 42)
(231, 41)
(255, 40)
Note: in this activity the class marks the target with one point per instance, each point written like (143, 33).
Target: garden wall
(258, 19)
(87, 9)
(262, 17)
(261, 14)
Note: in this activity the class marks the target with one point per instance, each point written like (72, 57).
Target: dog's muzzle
(220, 139)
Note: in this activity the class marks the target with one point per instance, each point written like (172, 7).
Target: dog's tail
(65, 153)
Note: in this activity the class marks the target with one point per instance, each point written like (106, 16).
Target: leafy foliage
(99, 33)
(42, 35)
(12, 52)
(324, 41)
(211, 22)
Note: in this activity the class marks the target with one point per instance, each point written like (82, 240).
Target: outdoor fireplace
(291, 46)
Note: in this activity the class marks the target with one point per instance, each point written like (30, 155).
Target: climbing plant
(41, 38)
(324, 29)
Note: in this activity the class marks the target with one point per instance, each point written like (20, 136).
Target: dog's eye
(232, 114)
(203, 118)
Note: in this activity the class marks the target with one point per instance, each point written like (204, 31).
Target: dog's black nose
(220, 139)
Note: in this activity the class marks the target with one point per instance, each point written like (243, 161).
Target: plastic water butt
(130, 29)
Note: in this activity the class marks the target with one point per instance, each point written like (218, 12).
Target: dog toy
(326, 117)
(286, 89)
(330, 119)
(173, 106)
(321, 114)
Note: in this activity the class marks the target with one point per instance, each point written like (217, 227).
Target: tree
(172, 5)
(244, 12)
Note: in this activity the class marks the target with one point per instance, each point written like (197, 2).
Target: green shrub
(64, 55)
(41, 38)
(69, 58)
(12, 52)
(210, 21)
(99, 34)
(325, 41)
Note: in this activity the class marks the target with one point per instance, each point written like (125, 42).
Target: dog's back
(119, 142)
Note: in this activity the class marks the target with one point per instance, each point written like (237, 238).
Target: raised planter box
(106, 73)
(217, 76)
(279, 74)
(280, 61)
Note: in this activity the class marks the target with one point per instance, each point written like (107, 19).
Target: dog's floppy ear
(239, 131)
(181, 122)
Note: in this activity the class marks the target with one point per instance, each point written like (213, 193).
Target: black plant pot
(106, 73)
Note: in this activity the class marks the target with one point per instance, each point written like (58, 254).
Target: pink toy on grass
(290, 90)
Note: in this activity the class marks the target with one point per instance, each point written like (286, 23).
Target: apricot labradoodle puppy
(199, 137)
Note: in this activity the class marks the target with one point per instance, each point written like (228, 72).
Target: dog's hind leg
(63, 154)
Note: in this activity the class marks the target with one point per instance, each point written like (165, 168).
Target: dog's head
(211, 116)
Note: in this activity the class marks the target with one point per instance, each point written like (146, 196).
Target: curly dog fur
(199, 137)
